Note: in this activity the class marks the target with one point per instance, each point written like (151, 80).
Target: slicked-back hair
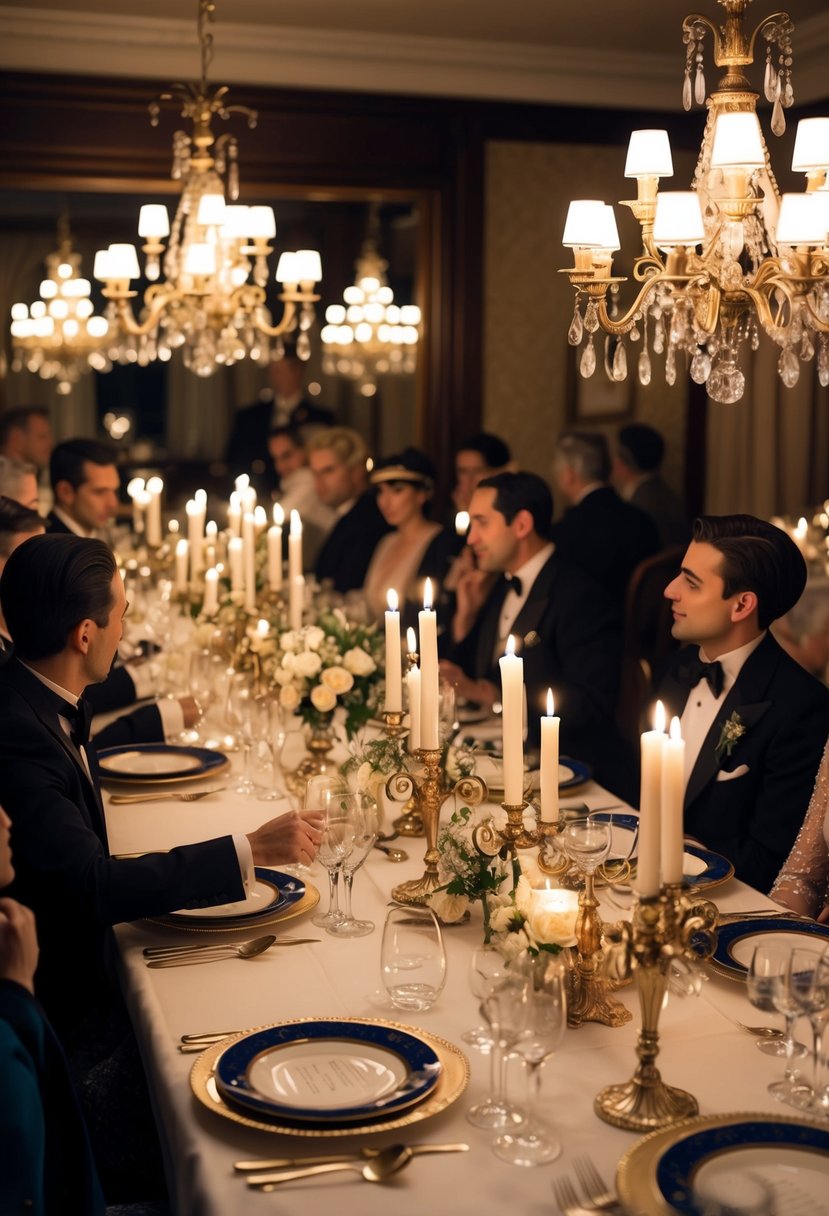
(757, 557)
(586, 452)
(49, 585)
(19, 419)
(516, 492)
(68, 459)
(12, 473)
(14, 519)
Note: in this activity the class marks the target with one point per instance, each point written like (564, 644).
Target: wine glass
(366, 823)
(338, 831)
(532, 1144)
(201, 688)
(240, 715)
(587, 843)
(772, 964)
(412, 958)
(505, 1008)
(266, 751)
(808, 980)
(485, 961)
(763, 969)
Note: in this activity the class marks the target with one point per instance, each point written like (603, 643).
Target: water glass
(268, 745)
(240, 716)
(412, 958)
(363, 808)
(338, 831)
(764, 968)
(808, 980)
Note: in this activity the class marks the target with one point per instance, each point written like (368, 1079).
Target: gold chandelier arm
(626, 323)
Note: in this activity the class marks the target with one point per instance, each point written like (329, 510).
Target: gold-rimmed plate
(737, 940)
(283, 912)
(453, 1079)
(158, 764)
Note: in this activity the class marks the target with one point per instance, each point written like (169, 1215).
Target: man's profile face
(470, 467)
(104, 639)
(95, 501)
(701, 614)
(491, 538)
(333, 480)
(37, 441)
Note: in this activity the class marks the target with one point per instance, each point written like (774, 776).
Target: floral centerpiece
(373, 761)
(535, 921)
(467, 874)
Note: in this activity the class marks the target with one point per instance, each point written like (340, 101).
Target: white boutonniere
(732, 731)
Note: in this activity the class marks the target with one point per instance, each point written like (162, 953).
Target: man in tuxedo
(85, 483)
(338, 458)
(598, 532)
(64, 603)
(564, 627)
(640, 450)
(754, 722)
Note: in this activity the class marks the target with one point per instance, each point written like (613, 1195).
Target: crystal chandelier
(59, 336)
(730, 256)
(210, 302)
(368, 335)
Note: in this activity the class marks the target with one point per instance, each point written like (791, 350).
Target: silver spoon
(392, 854)
(244, 950)
(365, 1154)
(387, 1162)
(203, 948)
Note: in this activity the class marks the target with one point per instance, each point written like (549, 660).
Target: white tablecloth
(701, 1050)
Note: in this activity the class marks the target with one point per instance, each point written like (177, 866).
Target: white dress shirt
(702, 706)
(513, 602)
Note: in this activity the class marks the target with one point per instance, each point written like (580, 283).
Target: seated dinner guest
(640, 450)
(46, 1164)
(64, 603)
(338, 458)
(754, 722)
(85, 483)
(297, 492)
(18, 480)
(405, 483)
(803, 883)
(562, 623)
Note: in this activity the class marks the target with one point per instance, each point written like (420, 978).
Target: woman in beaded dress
(803, 883)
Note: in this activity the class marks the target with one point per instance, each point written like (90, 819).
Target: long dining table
(702, 1048)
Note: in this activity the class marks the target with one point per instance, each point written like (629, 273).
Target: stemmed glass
(338, 831)
(770, 965)
(268, 744)
(808, 981)
(532, 1144)
(485, 962)
(365, 817)
(241, 714)
(763, 969)
(201, 687)
(505, 1007)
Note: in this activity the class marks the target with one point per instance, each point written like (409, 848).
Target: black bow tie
(78, 718)
(513, 583)
(694, 670)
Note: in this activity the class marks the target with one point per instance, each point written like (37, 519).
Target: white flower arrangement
(467, 875)
(522, 921)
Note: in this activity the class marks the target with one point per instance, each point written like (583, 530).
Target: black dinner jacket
(753, 817)
(349, 546)
(61, 855)
(53, 524)
(568, 636)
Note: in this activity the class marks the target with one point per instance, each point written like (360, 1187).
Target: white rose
(363, 776)
(307, 663)
(283, 676)
(359, 662)
(500, 919)
(289, 696)
(338, 680)
(322, 698)
(313, 637)
(289, 640)
(513, 944)
(448, 908)
(554, 925)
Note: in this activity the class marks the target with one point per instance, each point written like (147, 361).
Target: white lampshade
(585, 224)
(261, 222)
(649, 155)
(802, 220)
(123, 263)
(97, 327)
(84, 308)
(211, 209)
(678, 219)
(200, 259)
(335, 314)
(20, 312)
(38, 309)
(287, 270)
(811, 145)
(101, 266)
(153, 220)
(59, 309)
(310, 265)
(410, 314)
(48, 289)
(738, 142)
(236, 222)
(609, 236)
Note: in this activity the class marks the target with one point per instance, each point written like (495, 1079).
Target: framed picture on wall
(598, 398)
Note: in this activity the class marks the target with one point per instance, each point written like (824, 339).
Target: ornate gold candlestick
(662, 929)
(410, 823)
(429, 797)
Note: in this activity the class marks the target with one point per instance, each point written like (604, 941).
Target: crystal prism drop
(807, 350)
(788, 95)
(778, 118)
(634, 334)
(576, 331)
(587, 364)
(788, 365)
(687, 94)
(644, 368)
(770, 79)
(823, 362)
(699, 87)
(591, 317)
(670, 367)
(700, 366)
(620, 363)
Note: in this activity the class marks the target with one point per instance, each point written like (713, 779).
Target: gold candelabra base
(590, 998)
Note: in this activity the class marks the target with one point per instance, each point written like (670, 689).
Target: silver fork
(120, 799)
(593, 1185)
(568, 1200)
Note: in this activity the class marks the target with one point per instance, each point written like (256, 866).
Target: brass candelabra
(664, 927)
(410, 823)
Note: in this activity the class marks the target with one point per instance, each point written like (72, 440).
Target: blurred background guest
(18, 480)
(405, 483)
(26, 434)
(640, 450)
(296, 491)
(479, 455)
(85, 482)
(338, 458)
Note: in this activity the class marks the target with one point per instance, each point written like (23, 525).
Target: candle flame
(173, 526)
(200, 498)
(212, 575)
(181, 547)
(278, 514)
(411, 640)
(550, 703)
(391, 599)
(211, 529)
(263, 628)
(659, 717)
(510, 646)
(155, 485)
(242, 482)
(296, 524)
(462, 523)
(135, 486)
(427, 595)
(676, 729)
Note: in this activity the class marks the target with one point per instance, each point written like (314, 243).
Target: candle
(512, 724)
(296, 599)
(172, 533)
(413, 689)
(652, 747)
(429, 680)
(196, 510)
(260, 519)
(182, 556)
(211, 537)
(462, 523)
(274, 558)
(549, 763)
(295, 547)
(249, 560)
(210, 606)
(673, 797)
(411, 641)
(394, 678)
(235, 561)
(153, 519)
(234, 515)
(135, 488)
